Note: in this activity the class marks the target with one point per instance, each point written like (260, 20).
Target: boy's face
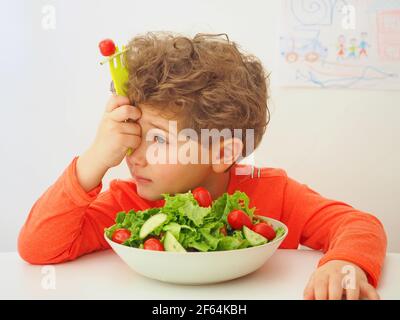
(169, 176)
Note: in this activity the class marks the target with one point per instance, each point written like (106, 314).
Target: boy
(196, 84)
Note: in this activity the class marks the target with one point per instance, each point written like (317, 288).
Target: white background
(343, 144)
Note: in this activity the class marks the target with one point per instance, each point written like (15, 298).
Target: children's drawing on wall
(340, 44)
(363, 46)
(353, 49)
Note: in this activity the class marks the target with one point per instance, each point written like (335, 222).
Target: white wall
(343, 144)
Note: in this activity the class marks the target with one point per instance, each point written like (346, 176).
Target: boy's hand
(326, 283)
(114, 135)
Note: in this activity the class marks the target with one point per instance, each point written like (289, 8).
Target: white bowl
(195, 268)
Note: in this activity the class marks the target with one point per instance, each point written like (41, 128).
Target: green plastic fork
(119, 73)
(119, 76)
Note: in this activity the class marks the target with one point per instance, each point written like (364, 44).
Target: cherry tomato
(264, 221)
(107, 47)
(223, 231)
(121, 235)
(237, 219)
(202, 196)
(153, 244)
(265, 230)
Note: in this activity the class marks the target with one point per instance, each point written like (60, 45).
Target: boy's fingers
(131, 141)
(130, 128)
(125, 112)
(335, 288)
(368, 291)
(308, 293)
(353, 294)
(116, 101)
(321, 288)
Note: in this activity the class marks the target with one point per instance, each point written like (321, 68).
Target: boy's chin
(148, 194)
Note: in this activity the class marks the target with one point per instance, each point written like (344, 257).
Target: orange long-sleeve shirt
(67, 222)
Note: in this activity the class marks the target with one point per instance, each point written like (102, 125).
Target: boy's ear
(230, 151)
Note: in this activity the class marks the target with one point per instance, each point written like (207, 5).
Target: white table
(103, 275)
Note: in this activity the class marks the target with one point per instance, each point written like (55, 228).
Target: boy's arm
(336, 228)
(69, 218)
(66, 221)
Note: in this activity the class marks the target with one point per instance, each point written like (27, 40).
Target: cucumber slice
(171, 244)
(151, 224)
(254, 238)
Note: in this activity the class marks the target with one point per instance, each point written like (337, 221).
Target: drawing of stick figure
(341, 47)
(352, 48)
(363, 45)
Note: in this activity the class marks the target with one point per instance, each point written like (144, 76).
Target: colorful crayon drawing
(341, 47)
(308, 48)
(363, 45)
(319, 49)
(388, 31)
(352, 48)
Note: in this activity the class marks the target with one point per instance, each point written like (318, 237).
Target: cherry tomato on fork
(107, 47)
(153, 244)
(237, 219)
(121, 235)
(202, 196)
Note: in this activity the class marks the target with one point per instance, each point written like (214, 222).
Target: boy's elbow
(28, 251)
(35, 250)
(377, 229)
(378, 224)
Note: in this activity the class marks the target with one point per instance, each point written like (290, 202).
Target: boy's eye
(159, 139)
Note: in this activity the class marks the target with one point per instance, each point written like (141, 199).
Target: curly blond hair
(206, 82)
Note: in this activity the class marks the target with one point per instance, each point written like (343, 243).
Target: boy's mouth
(141, 180)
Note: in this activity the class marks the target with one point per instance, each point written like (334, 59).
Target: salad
(193, 222)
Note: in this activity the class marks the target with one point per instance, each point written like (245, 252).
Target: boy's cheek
(171, 178)
(174, 177)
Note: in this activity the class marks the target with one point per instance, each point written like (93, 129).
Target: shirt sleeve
(66, 221)
(336, 228)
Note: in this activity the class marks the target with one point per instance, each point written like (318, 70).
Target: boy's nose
(138, 156)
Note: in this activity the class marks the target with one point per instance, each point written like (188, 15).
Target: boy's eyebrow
(158, 126)
(154, 124)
